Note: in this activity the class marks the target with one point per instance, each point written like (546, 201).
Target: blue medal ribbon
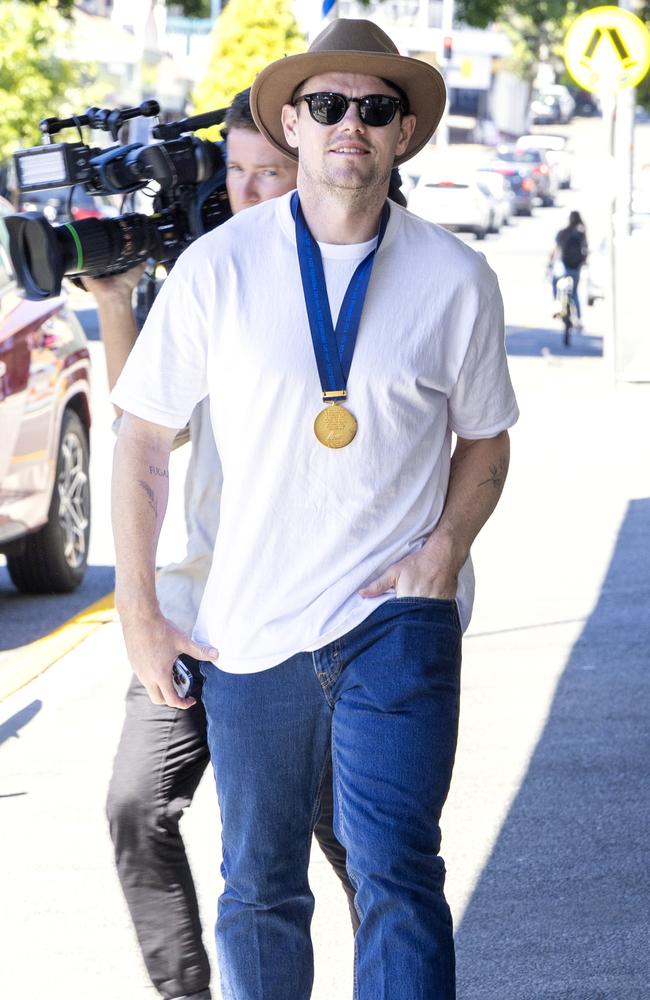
(333, 348)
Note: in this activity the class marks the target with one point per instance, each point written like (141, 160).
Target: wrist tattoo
(498, 474)
(151, 497)
(156, 471)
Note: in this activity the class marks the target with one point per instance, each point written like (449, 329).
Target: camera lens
(42, 254)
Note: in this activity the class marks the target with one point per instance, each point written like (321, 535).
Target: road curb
(21, 665)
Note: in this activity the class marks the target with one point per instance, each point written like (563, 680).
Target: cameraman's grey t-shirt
(180, 585)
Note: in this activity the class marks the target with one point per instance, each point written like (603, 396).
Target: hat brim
(277, 83)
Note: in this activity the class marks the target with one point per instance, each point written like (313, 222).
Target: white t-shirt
(303, 527)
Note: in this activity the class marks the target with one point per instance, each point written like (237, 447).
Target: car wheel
(548, 201)
(53, 559)
(480, 234)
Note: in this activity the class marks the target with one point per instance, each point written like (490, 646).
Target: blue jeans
(383, 700)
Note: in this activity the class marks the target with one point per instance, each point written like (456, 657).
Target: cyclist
(567, 257)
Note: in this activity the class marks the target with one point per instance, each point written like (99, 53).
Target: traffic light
(447, 48)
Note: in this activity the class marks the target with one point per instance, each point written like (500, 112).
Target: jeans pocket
(442, 605)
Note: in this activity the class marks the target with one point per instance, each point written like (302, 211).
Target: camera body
(189, 200)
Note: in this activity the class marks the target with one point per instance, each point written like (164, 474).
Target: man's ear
(406, 127)
(289, 123)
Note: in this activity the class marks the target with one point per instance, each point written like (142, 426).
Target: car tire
(480, 234)
(53, 559)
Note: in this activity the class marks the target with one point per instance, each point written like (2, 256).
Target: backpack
(573, 249)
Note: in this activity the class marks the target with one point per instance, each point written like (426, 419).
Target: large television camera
(185, 177)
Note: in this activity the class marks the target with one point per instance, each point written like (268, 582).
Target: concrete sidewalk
(544, 831)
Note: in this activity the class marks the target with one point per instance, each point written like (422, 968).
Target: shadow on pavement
(26, 617)
(11, 728)
(561, 909)
(536, 342)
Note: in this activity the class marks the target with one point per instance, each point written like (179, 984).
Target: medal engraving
(335, 426)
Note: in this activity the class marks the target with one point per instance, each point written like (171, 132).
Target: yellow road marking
(30, 456)
(21, 665)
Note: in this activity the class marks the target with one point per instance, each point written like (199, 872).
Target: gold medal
(335, 426)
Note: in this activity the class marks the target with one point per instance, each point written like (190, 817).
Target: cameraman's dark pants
(160, 759)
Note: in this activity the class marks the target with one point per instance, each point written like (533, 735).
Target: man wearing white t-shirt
(341, 343)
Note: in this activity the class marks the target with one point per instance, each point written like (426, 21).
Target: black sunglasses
(374, 109)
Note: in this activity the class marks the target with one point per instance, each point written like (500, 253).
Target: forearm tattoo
(156, 471)
(151, 497)
(498, 472)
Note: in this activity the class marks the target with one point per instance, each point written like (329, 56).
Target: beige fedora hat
(349, 46)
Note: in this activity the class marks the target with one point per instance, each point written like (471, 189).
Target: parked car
(532, 163)
(521, 186)
(458, 204)
(558, 153)
(554, 104)
(44, 445)
(545, 110)
(496, 187)
(587, 104)
(563, 96)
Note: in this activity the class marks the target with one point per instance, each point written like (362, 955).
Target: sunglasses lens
(327, 109)
(377, 110)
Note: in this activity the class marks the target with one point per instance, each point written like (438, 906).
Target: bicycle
(564, 300)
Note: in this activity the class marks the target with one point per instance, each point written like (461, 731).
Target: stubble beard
(350, 189)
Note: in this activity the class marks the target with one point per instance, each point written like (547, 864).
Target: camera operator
(163, 751)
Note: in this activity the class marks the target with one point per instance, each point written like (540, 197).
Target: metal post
(442, 133)
(624, 148)
(608, 105)
(626, 351)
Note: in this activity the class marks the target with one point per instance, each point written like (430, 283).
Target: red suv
(44, 437)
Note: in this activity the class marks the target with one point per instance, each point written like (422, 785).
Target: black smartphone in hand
(186, 677)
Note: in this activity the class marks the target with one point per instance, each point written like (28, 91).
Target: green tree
(34, 81)
(63, 6)
(246, 37)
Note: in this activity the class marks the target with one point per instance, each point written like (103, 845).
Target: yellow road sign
(607, 49)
